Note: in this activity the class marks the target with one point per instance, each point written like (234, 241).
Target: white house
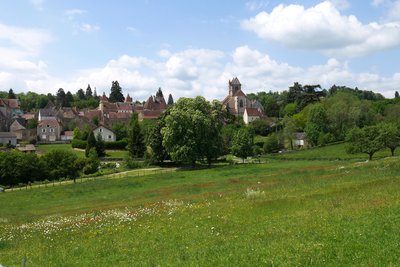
(299, 140)
(7, 138)
(106, 134)
(251, 114)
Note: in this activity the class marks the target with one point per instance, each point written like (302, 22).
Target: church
(239, 104)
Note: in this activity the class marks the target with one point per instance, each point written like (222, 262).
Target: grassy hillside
(280, 213)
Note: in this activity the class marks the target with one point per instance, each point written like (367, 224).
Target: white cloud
(377, 2)
(131, 29)
(256, 5)
(324, 29)
(72, 13)
(86, 27)
(341, 4)
(201, 72)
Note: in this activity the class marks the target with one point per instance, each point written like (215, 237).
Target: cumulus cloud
(256, 5)
(323, 28)
(72, 13)
(86, 27)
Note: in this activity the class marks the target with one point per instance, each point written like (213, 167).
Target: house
(252, 114)
(19, 128)
(67, 136)
(237, 101)
(13, 106)
(107, 134)
(299, 140)
(49, 130)
(153, 108)
(7, 138)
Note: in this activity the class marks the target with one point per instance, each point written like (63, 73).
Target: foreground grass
(280, 213)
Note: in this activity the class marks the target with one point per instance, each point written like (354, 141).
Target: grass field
(81, 153)
(285, 212)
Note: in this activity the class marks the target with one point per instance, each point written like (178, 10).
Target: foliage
(192, 131)
(157, 152)
(366, 140)
(271, 144)
(242, 144)
(99, 146)
(92, 162)
(119, 129)
(121, 144)
(17, 167)
(60, 164)
(77, 143)
(11, 94)
(260, 127)
(170, 100)
(116, 93)
(91, 143)
(136, 146)
(389, 135)
(316, 123)
(32, 124)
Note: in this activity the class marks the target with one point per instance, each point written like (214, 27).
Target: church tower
(234, 86)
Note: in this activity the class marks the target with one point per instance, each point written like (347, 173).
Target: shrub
(121, 144)
(271, 144)
(76, 143)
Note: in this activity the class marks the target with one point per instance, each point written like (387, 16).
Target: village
(53, 121)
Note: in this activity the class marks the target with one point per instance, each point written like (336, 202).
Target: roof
(7, 135)
(128, 99)
(150, 114)
(21, 121)
(11, 103)
(50, 122)
(48, 112)
(103, 98)
(253, 112)
(124, 106)
(235, 81)
(239, 93)
(28, 116)
(101, 125)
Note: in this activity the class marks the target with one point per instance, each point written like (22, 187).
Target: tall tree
(61, 97)
(100, 149)
(170, 100)
(316, 123)
(69, 98)
(91, 143)
(155, 142)
(396, 94)
(135, 138)
(80, 94)
(11, 94)
(88, 93)
(116, 93)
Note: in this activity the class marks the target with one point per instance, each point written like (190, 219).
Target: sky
(191, 48)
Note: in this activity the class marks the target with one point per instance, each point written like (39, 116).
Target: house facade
(106, 134)
(7, 138)
(49, 130)
(251, 114)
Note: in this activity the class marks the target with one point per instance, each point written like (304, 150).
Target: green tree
(116, 93)
(69, 99)
(192, 131)
(61, 97)
(289, 128)
(100, 147)
(390, 136)
(170, 100)
(155, 142)
(80, 94)
(271, 144)
(136, 146)
(396, 94)
(60, 163)
(316, 123)
(32, 124)
(242, 144)
(88, 93)
(366, 140)
(119, 130)
(91, 143)
(11, 94)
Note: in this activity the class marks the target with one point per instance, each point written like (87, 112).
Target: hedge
(76, 143)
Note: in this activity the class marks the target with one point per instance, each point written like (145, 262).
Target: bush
(271, 145)
(76, 143)
(325, 138)
(133, 164)
(121, 144)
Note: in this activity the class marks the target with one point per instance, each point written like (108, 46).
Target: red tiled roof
(150, 114)
(50, 122)
(69, 133)
(253, 112)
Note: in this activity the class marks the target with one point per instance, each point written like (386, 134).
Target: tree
(159, 93)
(91, 143)
(396, 94)
(366, 140)
(119, 129)
(11, 94)
(135, 138)
(170, 100)
(116, 93)
(271, 144)
(155, 142)
(390, 136)
(32, 124)
(60, 163)
(68, 99)
(242, 144)
(61, 97)
(316, 123)
(289, 129)
(81, 94)
(100, 150)
(88, 93)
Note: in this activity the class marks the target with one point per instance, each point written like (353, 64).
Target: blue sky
(191, 48)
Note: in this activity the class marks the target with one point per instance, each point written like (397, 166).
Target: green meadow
(283, 212)
(44, 148)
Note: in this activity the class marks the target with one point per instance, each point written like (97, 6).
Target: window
(52, 130)
(43, 130)
(48, 126)
(101, 130)
(109, 137)
(241, 103)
